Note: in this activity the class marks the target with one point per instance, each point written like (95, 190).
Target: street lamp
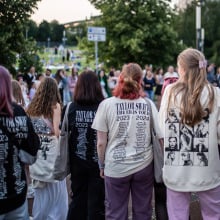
(199, 31)
(48, 43)
(26, 33)
(64, 38)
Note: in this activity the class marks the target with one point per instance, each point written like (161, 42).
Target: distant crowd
(152, 84)
(114, 135)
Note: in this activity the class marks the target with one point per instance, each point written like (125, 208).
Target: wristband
(101, 165)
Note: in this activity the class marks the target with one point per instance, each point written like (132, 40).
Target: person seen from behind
(50, 197)
(124, 147)
(195, 101)
(86, 184)
(18, 146)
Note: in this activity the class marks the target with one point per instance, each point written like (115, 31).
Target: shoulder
(109, 101)
(57, 107)
(167, 90)
(17, 109)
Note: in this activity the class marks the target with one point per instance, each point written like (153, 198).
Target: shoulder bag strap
(65, 119)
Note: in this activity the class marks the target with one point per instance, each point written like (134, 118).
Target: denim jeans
(21, 213)
(88, 191)
(150, 94)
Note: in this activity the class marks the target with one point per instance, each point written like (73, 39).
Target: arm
(101, 147)
(56, 119)
(163, 111)
(29, 146)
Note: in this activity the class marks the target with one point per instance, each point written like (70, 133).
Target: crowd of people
(110, 143)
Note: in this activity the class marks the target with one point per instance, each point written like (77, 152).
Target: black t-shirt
(15, 133)
(83, 139)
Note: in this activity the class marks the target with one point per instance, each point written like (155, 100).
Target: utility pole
(200, 32)
(64, 38)
(48, 44)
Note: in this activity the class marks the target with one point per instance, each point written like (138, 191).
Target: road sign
(96, 33)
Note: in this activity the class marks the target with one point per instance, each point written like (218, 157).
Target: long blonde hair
(191, 86)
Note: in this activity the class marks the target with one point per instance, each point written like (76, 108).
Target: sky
(63, 10)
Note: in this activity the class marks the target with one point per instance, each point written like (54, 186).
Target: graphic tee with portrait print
(191, 153)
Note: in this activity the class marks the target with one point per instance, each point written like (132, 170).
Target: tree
(31, 29)
(184, 24)
(44, 31)
(137, 31)
(56, 31)
(13, 16)
(210, 21)
(29, 57)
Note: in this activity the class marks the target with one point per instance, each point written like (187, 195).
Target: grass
(49, 59)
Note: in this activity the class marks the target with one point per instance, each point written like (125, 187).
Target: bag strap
(153, 132)
(65, 119)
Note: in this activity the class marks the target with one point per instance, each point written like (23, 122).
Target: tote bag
(43, 168)
(61, 166)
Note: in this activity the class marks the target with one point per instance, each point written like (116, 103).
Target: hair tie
(202, 64)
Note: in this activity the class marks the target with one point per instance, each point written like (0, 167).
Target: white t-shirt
(127, 123)
(171, 75)
(195, 160)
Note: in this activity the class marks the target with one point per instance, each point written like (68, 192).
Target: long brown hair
(88, 89)
(191, 86)
(129, 85)
(17, 93)
(45, 99)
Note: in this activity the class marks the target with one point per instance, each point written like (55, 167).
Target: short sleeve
(100, 120)
(155, 120)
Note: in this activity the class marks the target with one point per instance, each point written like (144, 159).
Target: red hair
(5, 92)
(129, 84)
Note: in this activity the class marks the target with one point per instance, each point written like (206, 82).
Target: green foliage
(29, 57)
(56, 31)
(74, 34)
(185, 24)
(44, 31)
(210, 21)
(137, 31)
(13, 16)
(31, 29)
(52, 30)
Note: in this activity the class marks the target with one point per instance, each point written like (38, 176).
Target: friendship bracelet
(101, 165)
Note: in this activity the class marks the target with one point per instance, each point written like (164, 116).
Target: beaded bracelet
(101, 165)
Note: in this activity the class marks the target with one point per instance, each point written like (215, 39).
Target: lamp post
(64, 38)
(48, 44)
(200, 32)
(26, 33)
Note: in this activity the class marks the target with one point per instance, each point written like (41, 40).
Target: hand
(102, 173)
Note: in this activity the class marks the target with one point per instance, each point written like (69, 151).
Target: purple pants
(178, 204)
(117, 191)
